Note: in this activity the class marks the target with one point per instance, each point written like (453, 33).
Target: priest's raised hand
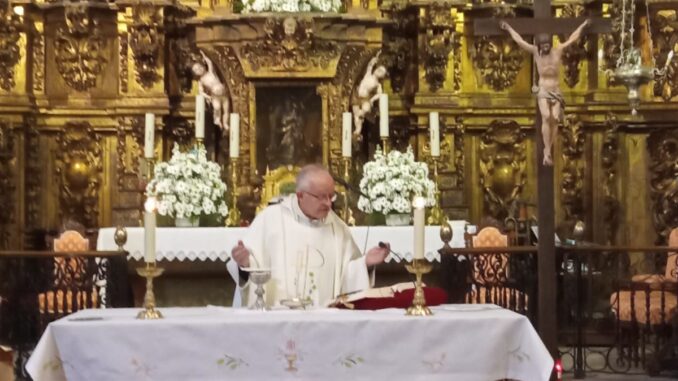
(241, 255)
(377, 254)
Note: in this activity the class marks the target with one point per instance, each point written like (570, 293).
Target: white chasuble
(314, 259)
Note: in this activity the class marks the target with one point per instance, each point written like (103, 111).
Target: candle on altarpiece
(199, 116)
(234, 135)
(383, 115)
(346, 121)
(419, 205)
(149, 230)
(149, 136)
(434, 130)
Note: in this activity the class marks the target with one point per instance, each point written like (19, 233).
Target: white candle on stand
(434, 130)
(149, 136)
(234, 136)
(149, 237)
(383, 115)
(346, 121)
(199, 116)
(419, 205)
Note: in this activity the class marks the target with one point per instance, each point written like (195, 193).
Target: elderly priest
(307, 247)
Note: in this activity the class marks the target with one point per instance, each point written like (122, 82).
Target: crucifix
(549, 110)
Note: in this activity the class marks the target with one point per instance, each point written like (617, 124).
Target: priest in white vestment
(308, 248)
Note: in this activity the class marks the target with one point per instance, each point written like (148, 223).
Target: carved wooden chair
(648, 300)
(491, 276)
(278, 182)
(646, 308)
(73, 287)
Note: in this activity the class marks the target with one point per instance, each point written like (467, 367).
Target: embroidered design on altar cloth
(436, 364)
(142, 370)
(53, 365)
(291, 356)
(350, 361)
(519, 354)
(231, 362)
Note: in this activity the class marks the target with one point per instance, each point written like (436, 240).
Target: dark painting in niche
(289, 126)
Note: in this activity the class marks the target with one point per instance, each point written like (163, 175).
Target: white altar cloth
(181, 244)
(459, 342)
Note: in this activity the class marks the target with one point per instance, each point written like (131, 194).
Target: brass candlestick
(384, 144)
(149, 272)
(419, 267)
(199, 142)
(347, 214)
(437, 217)
(234, 214)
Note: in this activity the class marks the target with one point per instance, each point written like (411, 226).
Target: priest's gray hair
(306, 175)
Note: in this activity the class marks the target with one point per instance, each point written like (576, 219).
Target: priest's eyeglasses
(328, 197)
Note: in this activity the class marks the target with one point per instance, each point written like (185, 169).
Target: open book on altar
(373, 293)
(396, 296)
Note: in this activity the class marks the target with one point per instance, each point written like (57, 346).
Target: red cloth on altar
(434, 296)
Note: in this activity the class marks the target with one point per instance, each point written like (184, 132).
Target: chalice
(259, 277)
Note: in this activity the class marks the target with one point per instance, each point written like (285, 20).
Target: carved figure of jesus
(368, 92)
(548, 60)
(214, 91)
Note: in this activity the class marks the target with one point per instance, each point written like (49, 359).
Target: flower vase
(398, 219)
(187, 222)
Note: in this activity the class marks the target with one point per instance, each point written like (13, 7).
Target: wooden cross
(547, 296)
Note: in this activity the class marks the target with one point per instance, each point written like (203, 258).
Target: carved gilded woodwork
(123, 60)
(7, 183)
(35, 168)
(79, 166)
(662, 146)
(146, 41)
(39, 61)
(79, 48)
(572, 177)
(497, 59)
(183, 56)
(241, 94)
(459, 130)
(665, 33)
(179, 130)
(575, 53)
(289, 45)
(130, 150)
(10, 52)
(502, 166)
(610, 154)
(440, 40)
(400, 43)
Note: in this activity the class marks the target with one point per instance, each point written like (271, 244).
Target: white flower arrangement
(188, 186)
(392, 181)
(256, 6)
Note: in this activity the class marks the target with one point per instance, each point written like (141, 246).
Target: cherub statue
(367, 93)
(548, 60)
(214, 91)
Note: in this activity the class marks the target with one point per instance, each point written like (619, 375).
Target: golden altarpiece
(76, 78)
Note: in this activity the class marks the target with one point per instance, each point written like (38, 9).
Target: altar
(466, 342)
(215, 244)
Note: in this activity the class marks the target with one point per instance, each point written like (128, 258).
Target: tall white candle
(234, 135)
(199, 116)
(383, 115)
(346, 121)
(419, 205)
(149, 236)
(149, 136)
(434, 131)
